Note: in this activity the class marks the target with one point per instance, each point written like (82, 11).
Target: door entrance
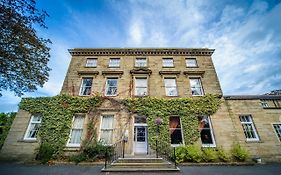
(140, 139)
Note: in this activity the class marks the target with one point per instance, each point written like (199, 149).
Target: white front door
(140, 139)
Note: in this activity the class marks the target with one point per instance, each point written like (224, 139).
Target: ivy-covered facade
(143, 96)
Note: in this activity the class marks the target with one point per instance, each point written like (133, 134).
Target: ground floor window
(76, 132)
(249, 128)
(206, 131)
(106, 130)
(277, 128)
(33, 127)
(175, 130)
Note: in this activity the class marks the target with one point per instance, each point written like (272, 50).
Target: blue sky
(245, 34)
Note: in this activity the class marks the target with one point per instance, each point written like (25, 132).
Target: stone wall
(15, 147)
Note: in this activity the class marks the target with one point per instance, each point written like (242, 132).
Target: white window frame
(250, 124)
(264, 104)
(146, 93)
(168, 87)
(168, 65)
(91, 62)
(111, 129)
(182, 135)
(83, 87)
(199, 87)
(29, 127)
(107, 86)
(192, 65)
(113, 63)
(205, 145)
(277, 132)
(140, 64)
(72, 128)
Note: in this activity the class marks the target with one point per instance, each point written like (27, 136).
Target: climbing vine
(58, 112)
(187, 109)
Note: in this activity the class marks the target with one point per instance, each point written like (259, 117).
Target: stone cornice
(171, 72)
(113, 72)
(141, 51)
(141, 71)
(194, 72)
(87, 72)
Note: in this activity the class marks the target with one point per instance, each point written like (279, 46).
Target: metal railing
(167, 153)
(114, 152)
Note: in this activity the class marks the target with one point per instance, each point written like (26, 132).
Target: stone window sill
(27, 141)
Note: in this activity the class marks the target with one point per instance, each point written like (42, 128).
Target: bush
(223, 155)
(209, 155)
(239, 153)
(45, 152)
(97, 151)
(180, 154)
(193, 153)
(78, 158)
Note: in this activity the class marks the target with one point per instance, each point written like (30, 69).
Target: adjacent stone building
(252, 121)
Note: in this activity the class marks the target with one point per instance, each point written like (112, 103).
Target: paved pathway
(27, 169)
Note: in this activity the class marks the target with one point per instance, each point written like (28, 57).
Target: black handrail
(167, 153)
(113, 152)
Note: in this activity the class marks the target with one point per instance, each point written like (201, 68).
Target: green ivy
(186, 108)
(58, 112)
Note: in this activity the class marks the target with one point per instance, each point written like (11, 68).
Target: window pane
(91, 62)
(33, 130)
(206, 133)
(196, 87)
(248, 127)
(140, 62)
(168, 62)
(111, 88)
(114, 62)
(175, 130)
(36, 118)
(170, 87)
(277, 128)
(86, 86)
(107, 122)
(191, 62)
(141, 87)
(78, 122)
(75, 136)
(106, 136)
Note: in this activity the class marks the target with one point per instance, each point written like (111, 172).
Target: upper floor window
(33, 127)
(86, 86)
(91, 62)
(191, 62)
(168, 62)
(249, 128)
(111, 86)
(264, 104)
(277, 128)
(175, 130)
(76, 132)
(141, 87)
(141, 62)
(170, 87)
(206, 131)
(114, 62)
(106, 130)
(196, 87)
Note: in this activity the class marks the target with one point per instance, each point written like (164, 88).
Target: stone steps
(140, 165)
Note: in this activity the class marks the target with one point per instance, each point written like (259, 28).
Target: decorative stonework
(141, 51)
(170, 72)
(119, 73)
(141, 71)
(194, 72)
(87, 72)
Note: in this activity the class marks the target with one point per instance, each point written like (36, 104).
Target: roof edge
(252, 97)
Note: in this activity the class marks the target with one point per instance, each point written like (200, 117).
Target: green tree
(23, 54)
(6, 121)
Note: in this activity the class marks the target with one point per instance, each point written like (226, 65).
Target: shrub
(239, 153)
(209, 155)
(223, 155)
(97, 151)
(180, 154)
(193, 153)
(78, 158)
(45, 152)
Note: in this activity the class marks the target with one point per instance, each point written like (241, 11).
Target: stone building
(252, 121)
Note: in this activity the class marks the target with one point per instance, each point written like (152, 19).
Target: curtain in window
(106, 129)
(175, 130)
(77, 128)
(196, 87)
(141, 86)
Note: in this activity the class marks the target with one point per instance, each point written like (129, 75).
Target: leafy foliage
(6, 121)
(210, 155)
(223, 155)
(186, 108)
(23, 55)
(239, 153)
(57, 115)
